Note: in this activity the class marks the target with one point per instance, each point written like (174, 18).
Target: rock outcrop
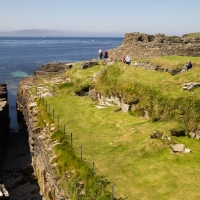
(4, 131)
(18, 174)
(4, 123)
(139, 45)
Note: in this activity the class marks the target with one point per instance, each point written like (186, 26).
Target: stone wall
(4, 124)
(139, 45)
(41, 147)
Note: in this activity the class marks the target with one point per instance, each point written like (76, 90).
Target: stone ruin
(140, 45)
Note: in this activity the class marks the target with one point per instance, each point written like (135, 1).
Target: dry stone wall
(139, 45)
(41, 147)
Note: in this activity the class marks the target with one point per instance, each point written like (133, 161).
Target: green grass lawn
(120, 145)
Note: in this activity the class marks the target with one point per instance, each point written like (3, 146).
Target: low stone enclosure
(140, 45)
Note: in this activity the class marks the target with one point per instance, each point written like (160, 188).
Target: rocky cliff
(138, 45)
(4, 123)
(4, 131)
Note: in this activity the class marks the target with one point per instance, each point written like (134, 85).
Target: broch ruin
(135, 45)
(140, 45)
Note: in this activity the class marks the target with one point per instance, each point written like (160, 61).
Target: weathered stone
(93, 94)
(191, 85)
(87, 64)
(125, 107)
(55, 67)
(157, 134)
(143, 45)
(178, 147)
(187, 150)
(192, 134)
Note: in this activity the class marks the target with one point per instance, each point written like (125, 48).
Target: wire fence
(80, 151)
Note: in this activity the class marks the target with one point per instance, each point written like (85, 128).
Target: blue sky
(171, 17)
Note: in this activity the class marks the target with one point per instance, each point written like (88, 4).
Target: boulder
(157, 134)
(178, 148)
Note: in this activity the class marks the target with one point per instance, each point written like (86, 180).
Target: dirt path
(18, 175)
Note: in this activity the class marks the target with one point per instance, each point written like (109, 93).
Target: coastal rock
(4, 131)
(56, 67)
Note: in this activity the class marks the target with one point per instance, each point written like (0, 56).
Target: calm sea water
(20, 57)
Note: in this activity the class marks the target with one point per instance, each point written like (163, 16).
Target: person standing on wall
(105, 54)
(100, 54)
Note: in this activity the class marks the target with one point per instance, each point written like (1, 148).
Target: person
(105, 54)
(189, 65)
(100, 54)
(127, 60)
(123, 59)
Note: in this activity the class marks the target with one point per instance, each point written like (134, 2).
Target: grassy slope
(119, 144)
(191, 35)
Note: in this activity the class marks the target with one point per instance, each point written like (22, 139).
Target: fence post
(53, 115)
(93, 168)
(113, 192)
(81, 152)
(71, 140)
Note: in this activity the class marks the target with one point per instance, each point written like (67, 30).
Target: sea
(22, 56)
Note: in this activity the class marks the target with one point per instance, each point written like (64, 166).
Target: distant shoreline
(58, 37)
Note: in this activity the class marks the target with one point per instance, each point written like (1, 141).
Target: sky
(170, 17)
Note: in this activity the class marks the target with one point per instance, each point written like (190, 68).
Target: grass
(159, 93)
(70, 168)
(136, 164)
(119, 144)
(191, 35)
